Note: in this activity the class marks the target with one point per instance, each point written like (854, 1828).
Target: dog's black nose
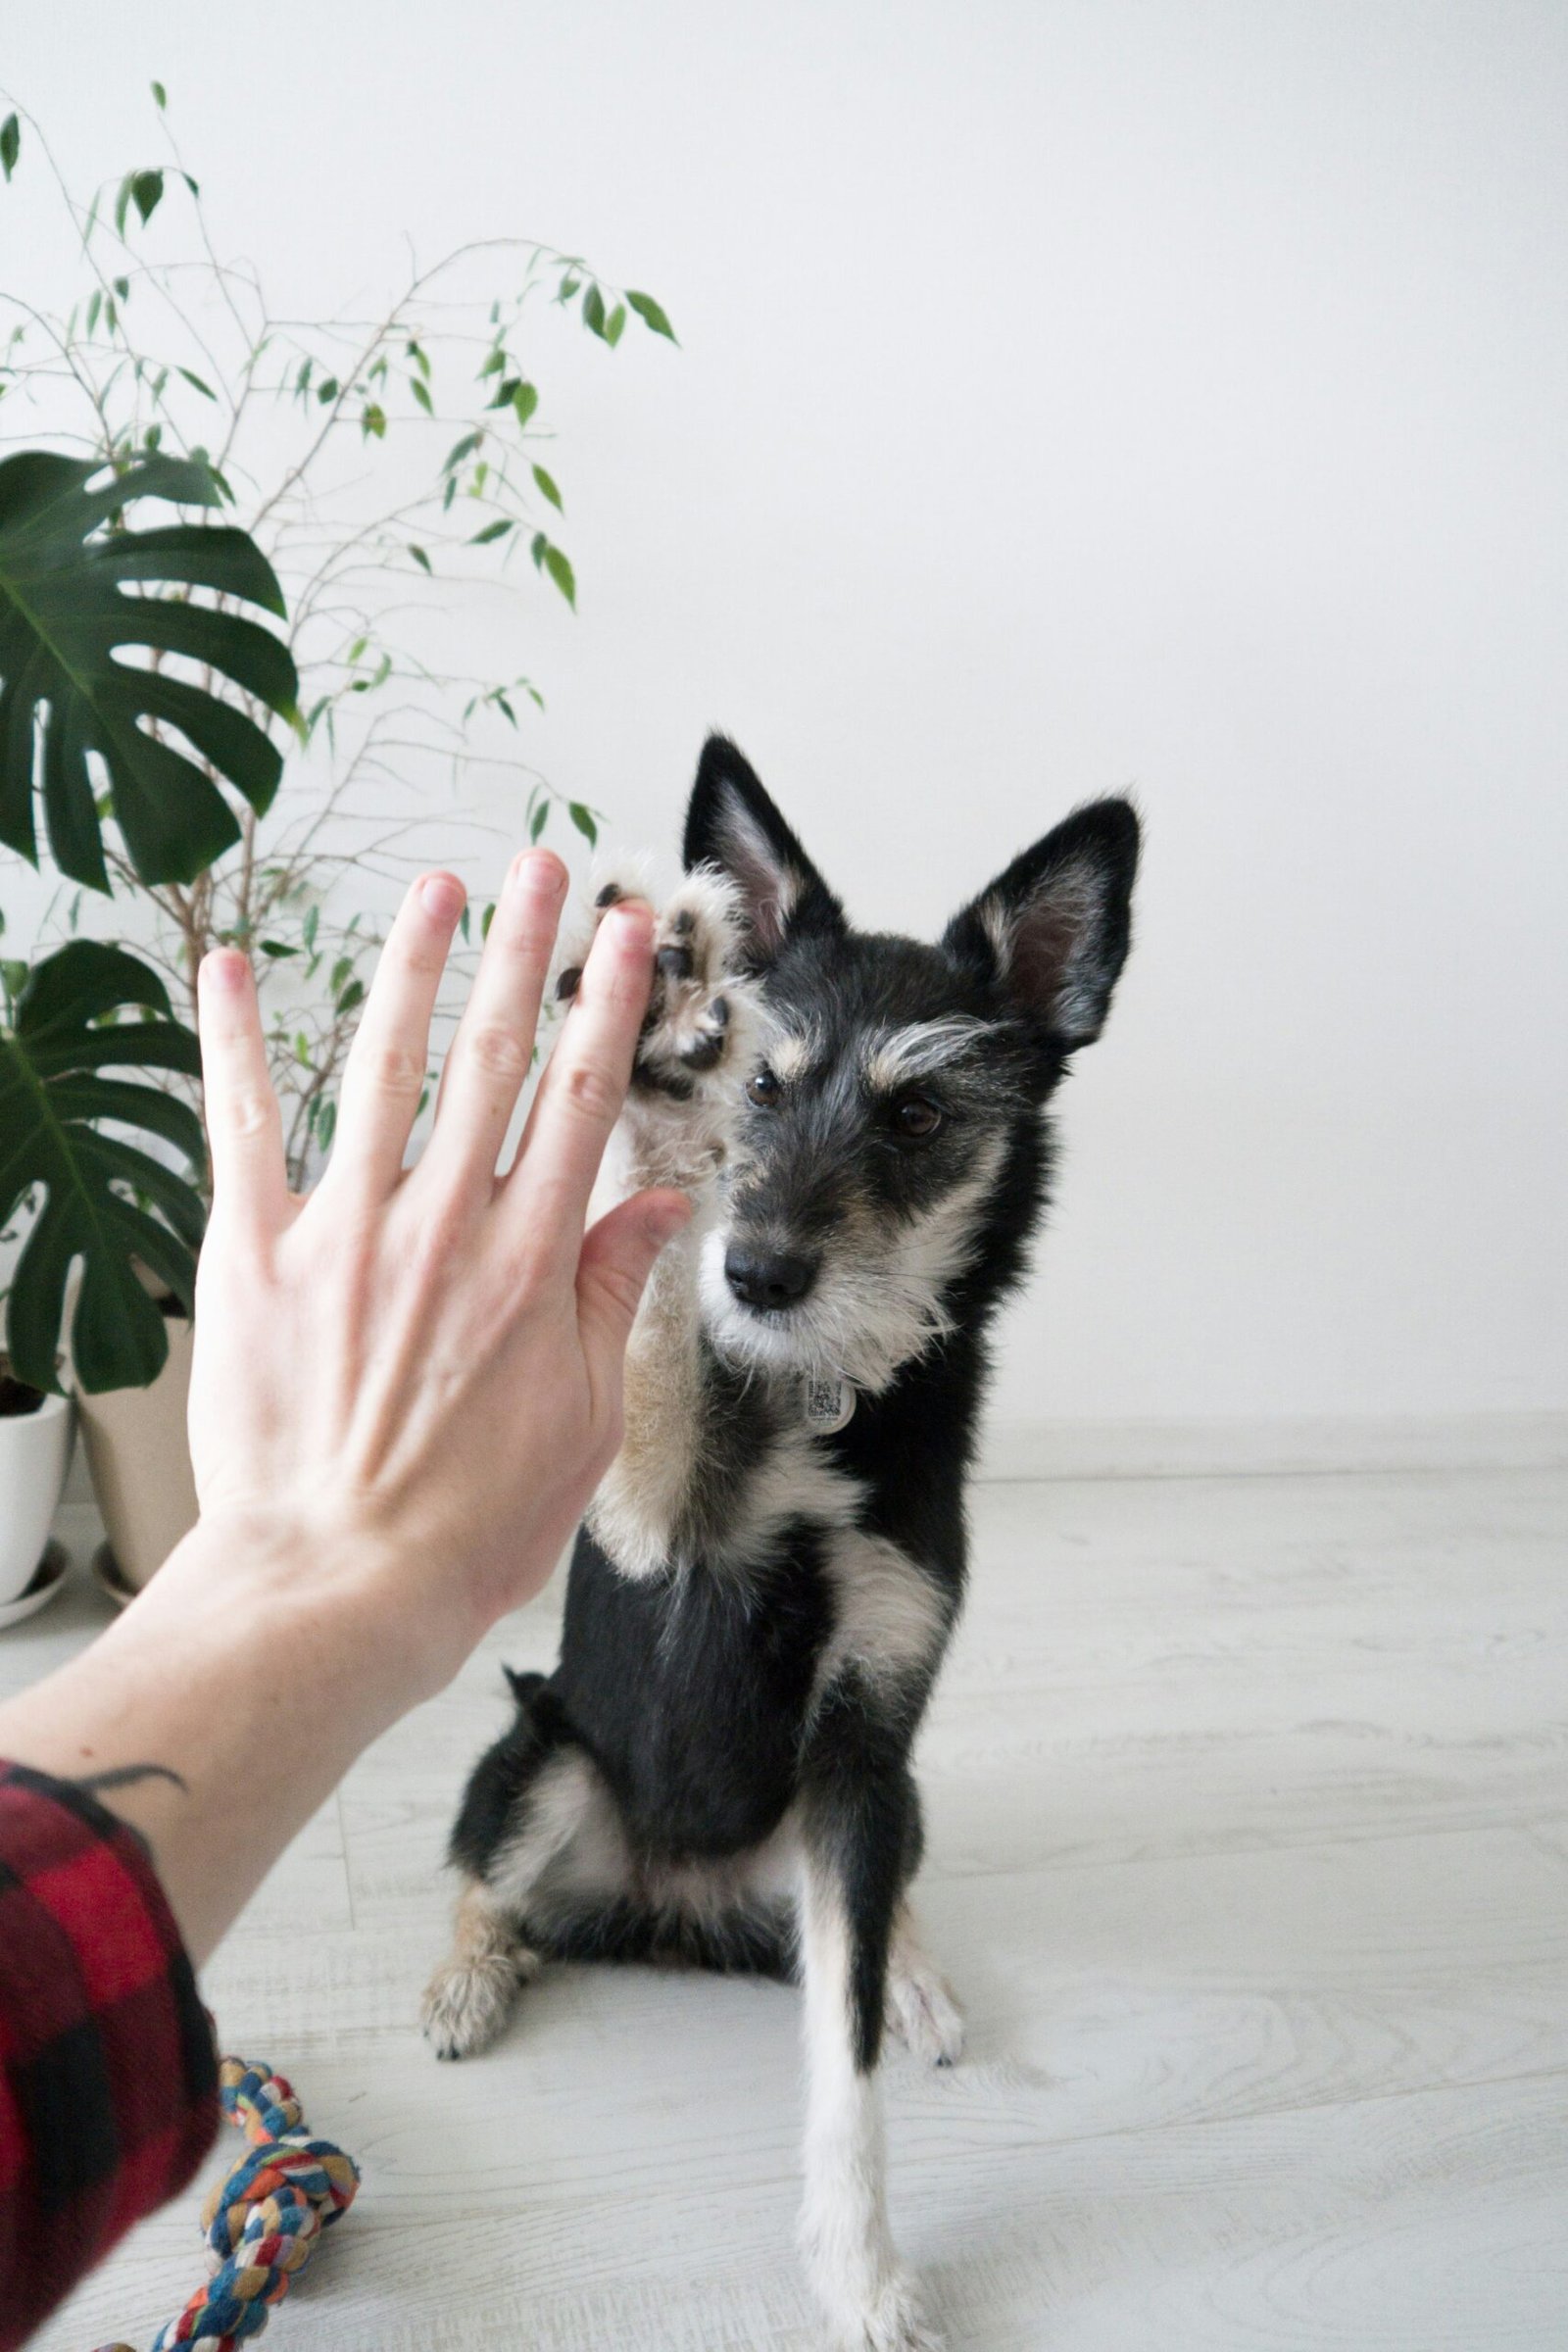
(768, 1277)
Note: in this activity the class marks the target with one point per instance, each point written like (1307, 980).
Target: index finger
(244, 1127)
(585, 1081)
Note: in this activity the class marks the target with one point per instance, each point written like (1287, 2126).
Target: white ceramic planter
(34, 1456)
(140, 1463)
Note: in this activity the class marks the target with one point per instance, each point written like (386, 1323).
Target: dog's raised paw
(694, 1033)
(466, 2002)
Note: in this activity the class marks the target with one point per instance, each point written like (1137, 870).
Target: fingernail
(540, 870)
(223, 967)
(670, 1218)
(632, 920)
(442, 895)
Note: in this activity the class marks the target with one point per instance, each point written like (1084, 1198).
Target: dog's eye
(765, 1089)
(918, 1118)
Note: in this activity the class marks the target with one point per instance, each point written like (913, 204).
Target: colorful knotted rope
(264, 2220)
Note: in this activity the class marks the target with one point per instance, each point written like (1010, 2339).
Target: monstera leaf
(65, 618)
(96, 1197)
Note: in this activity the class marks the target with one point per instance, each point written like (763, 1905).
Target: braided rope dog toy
(264, 2220)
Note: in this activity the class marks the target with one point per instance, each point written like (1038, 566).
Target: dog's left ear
(1053, 931)
(733, 824)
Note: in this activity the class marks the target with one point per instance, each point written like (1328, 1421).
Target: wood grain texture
(1249, 1853)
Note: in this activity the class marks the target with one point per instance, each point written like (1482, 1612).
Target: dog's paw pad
(466, 2002)
(925, 2015)
(691, 1034)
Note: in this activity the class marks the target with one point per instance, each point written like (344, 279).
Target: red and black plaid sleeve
(108, 2069)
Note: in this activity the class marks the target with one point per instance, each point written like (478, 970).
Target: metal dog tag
(829, 1401)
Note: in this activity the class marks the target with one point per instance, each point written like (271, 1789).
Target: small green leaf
(461, 450)
(160, 96)
(463, 922)
(276, 950)
(94, 305)
(561, 572)
(327, 390)
(301, 1049)
(420, 359)
(582, 818)
(355, 649)
(524, 401)
(593, 310)
(352, 996)
(146, 193)
(420, 557)
(494, 363)
(195, 381)
(420, 395)
(548, 488)
(651, 313)
(539, 819)
(486, 919)
(614, 325)
(10, 144)
(340, 972)
(492, 530)
(311, 922)
(326, 1126)
(373, 419)
(193, 185)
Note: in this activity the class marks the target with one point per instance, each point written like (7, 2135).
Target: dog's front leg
(676, 1129)
(855, 1828)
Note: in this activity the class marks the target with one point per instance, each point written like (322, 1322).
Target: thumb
(617, 1257)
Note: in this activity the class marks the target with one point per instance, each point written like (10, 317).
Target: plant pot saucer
(109, 1577)
(48, 1577)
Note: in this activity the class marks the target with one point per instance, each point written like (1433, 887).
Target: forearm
(234, 1694)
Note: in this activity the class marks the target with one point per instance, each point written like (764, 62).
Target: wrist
(264, 1580)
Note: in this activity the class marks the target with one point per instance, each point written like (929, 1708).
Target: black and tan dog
(766, 1581)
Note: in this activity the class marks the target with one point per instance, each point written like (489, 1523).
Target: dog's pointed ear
(1053, 931)
(731, 823)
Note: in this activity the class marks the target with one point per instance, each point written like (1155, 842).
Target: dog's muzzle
(768, 1280)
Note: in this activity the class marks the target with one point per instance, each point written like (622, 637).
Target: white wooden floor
(1249, 1854)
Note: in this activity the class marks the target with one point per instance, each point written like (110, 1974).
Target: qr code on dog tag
(829, 1401)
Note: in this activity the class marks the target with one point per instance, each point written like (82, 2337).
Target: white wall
(1071, 397)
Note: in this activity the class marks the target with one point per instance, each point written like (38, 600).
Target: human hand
(413, 1376)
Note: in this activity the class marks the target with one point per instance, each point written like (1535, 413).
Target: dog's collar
(828, 1400)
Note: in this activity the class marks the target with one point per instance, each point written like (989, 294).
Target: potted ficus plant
(253, 530)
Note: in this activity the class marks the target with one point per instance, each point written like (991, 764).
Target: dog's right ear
(1053, 931)
(732, 823)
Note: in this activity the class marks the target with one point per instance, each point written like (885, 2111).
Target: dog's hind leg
(855, 1824)
(528, 1798)
(469, 1998)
